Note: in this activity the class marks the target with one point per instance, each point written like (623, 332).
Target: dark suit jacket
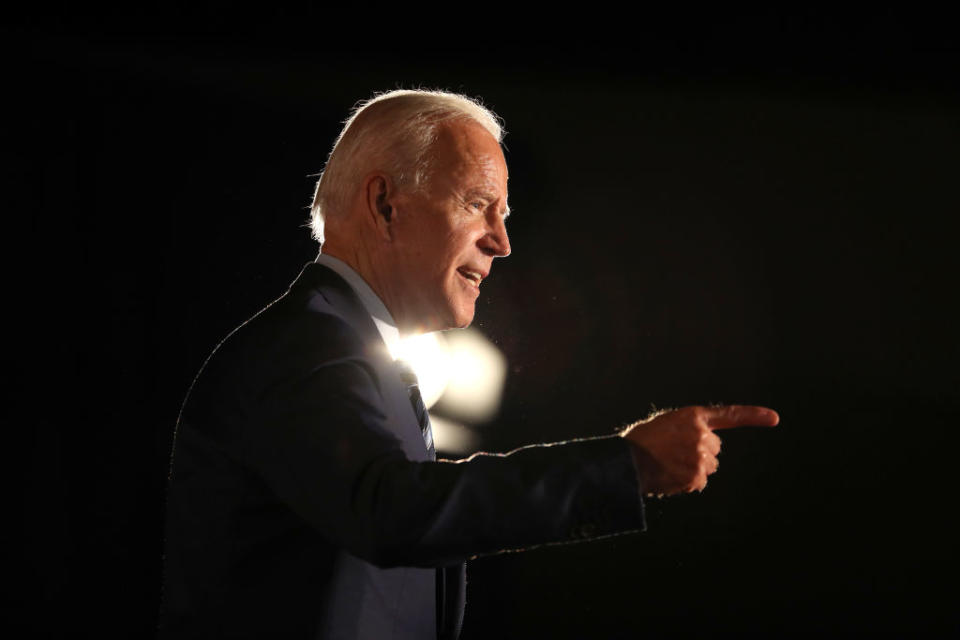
(301, 502)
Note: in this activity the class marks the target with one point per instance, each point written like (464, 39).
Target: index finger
(741, 415)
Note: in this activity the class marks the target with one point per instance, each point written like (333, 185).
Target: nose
(496, 242)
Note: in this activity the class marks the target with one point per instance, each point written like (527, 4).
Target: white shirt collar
(371, 301)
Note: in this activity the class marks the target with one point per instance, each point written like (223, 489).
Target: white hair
(396, 129)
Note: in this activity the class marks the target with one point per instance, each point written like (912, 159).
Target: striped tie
(409, 379)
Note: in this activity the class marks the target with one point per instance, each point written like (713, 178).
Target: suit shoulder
(306, 324)
(293, 336)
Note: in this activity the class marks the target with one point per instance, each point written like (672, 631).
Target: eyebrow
(489, 197)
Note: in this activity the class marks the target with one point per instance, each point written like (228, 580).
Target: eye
(479, 206)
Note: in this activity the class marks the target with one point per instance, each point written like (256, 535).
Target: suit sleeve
(323, 443)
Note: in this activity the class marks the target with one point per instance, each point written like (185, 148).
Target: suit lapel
(317, 279)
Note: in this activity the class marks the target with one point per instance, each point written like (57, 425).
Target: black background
(708, 207)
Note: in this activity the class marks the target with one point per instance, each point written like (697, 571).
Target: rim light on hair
(392, 132)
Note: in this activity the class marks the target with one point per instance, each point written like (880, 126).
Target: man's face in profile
(448, 233)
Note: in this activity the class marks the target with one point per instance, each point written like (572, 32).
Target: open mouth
(474, 277)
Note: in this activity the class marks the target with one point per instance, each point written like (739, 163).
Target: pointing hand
(676, 450)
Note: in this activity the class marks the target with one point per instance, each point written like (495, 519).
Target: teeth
(473, 275)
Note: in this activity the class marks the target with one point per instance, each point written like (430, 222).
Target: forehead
(465, 152)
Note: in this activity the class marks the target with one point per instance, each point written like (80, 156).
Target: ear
(379, 192)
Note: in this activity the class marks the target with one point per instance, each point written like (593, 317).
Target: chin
(450, 323)
(443, 323)
(454, 321)
(464, 319)
(449, 315)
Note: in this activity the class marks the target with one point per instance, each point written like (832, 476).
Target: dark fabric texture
(303, 503)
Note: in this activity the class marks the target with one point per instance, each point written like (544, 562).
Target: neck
(374, 272)
(356, 260)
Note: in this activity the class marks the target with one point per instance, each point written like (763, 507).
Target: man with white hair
(305, 498)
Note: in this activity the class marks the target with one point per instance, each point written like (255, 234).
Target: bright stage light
(427, 355)
(461, 368)
(478, 371)
(453, 437)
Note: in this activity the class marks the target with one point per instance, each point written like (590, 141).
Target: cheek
(447, 252)
(461, 243)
